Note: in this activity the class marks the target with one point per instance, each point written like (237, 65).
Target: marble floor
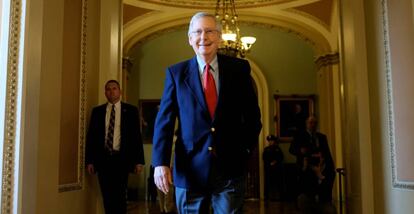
(251, 207)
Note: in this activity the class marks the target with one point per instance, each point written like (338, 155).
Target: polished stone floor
(251, 207)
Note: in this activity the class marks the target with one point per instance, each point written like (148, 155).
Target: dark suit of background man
(317, 170)
(306, 142)
(215, 136)
(114, 154)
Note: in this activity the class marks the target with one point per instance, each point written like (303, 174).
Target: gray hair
(202, 15)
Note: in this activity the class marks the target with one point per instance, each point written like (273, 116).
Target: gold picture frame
(291, 112)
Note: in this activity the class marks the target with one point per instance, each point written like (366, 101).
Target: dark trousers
(225, 196)
(113, 181)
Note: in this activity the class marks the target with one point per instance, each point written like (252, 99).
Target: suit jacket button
(210, 148)
(213, 129)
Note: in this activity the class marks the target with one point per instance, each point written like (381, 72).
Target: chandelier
(232, 43)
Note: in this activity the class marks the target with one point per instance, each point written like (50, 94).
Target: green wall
(285, 60)
(146, 79)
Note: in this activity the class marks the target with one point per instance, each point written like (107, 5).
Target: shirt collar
(202, 64)
(117, 105)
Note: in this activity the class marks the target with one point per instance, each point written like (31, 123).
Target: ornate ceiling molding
(154, 25)
(211, 4)
(161, 32)
(327, 60)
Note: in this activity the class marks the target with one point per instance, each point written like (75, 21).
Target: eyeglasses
(207, 32)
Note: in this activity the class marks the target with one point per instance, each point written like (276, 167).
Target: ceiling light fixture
(233, 44)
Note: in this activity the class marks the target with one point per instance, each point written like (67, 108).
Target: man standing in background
(114, 147)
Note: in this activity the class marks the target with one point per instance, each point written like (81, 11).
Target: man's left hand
(138, 168)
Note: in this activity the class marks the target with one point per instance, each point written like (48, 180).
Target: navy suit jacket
(131, 149)
(227, 139)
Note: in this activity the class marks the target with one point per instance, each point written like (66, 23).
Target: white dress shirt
(213, 69)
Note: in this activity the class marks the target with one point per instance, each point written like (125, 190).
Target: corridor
(250, 207)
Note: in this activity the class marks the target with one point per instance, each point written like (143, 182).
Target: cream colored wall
(30, 109)
(41, 110)
(377, 82)
(356, 116)
(367, 145)
(387, 198)
(110, 41)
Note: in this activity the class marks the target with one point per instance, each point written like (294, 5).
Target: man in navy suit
(217, 128)
(114, 147)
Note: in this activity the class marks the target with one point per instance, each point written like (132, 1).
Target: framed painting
(291, 112)
(148, 112)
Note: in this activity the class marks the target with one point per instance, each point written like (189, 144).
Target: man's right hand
(162, 178)
(91, 169)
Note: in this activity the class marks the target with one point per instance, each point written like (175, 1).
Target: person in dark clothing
(273, 159)
(213, 97)
(315, 185)
(308, 141)
(114, 147)
(316, 170)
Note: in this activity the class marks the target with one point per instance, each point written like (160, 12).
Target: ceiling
(212, 3)
(319, 9)
(314, 20)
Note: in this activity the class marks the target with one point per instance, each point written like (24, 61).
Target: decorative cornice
(12, 86)
(327, 60)
(82, 106)
(210, 4)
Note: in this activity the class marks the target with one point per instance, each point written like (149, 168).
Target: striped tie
(110, 135)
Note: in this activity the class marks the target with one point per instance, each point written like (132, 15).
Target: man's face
(204, 37)
(311, 124)
(112, 92)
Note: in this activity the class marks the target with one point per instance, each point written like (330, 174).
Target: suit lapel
(193, 82)
(222, 76)
(123, 119)
(102, 118)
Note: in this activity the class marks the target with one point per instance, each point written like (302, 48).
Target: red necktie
(210, 90)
